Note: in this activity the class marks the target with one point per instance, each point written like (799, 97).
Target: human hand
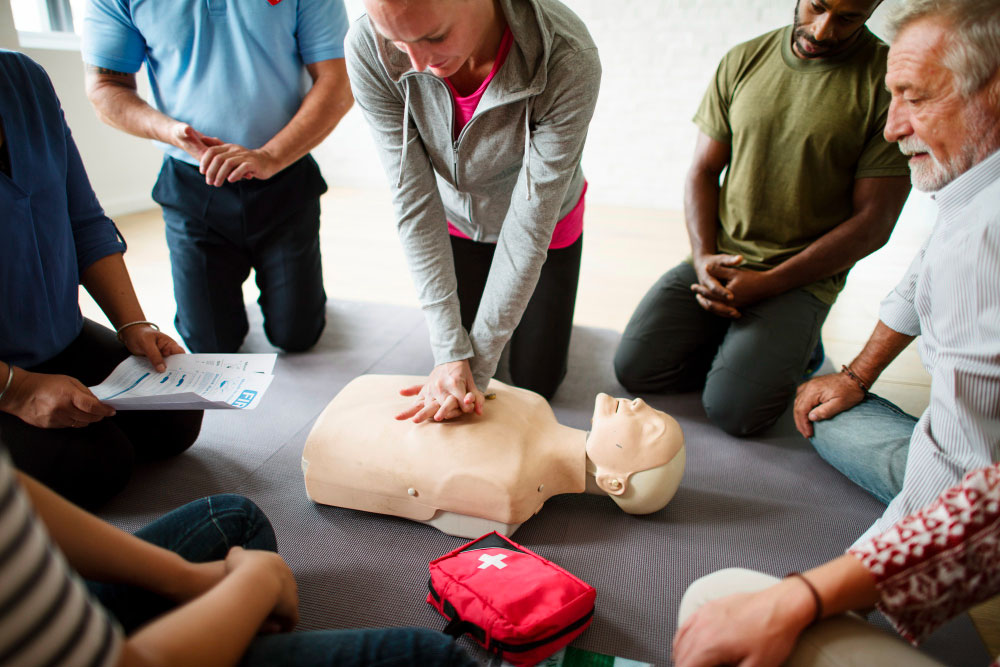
(285, 614)
(145, 341)
(756, 629)
(232, 162)
(710, 291)
(52, 401)
(449, 392)
(822, 398)
(748, 286)
(191, 141)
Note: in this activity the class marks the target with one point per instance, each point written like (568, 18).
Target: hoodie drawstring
(527, 147)
(406, 127)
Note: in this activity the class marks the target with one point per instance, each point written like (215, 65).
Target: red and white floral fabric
(940, 560)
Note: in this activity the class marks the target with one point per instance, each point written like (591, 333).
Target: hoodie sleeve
(420, 215)
(558, 120)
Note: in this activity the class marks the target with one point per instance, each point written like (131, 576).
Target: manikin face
(438, 35)
(944, 133)
(627, 437)
(824, 28)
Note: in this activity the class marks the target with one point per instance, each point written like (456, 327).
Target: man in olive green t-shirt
(795, 118)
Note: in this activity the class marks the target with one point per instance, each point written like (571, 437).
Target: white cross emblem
(496, 561)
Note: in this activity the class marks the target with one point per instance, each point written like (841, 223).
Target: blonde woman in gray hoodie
(479, 110)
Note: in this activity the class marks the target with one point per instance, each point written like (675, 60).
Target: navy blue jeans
(217, 234)
(205, 530)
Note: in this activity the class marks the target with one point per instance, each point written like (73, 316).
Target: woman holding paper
(57, 237)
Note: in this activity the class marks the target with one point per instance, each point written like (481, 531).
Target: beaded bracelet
(854, 376)
(818, 616)
(132, 324)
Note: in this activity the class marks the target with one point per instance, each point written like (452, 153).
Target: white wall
(658, 57)
(122, 169)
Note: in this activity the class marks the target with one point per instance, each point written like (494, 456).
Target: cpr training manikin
(478, 473)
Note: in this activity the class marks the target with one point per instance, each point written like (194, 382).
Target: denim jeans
(205, 530)
(869, 444)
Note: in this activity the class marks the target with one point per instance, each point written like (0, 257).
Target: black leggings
(539, 347)
(89, 465)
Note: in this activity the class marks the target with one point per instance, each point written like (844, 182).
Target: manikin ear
(650, 490)
(613, 485)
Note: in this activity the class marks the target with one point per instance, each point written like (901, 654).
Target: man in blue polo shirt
(236, 123)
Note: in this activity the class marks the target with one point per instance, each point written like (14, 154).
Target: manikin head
(635, 453)
(438, 35)
(824, 28)
(944, 76)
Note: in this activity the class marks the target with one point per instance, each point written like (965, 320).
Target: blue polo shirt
(52, 227)
(231, 69)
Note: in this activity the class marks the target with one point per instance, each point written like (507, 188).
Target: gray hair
(972, 52)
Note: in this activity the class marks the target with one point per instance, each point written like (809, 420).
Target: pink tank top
(567, 230)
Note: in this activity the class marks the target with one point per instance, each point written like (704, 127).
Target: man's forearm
(877, 203)
(882, 347)
(116, 100)
(701, 210)
(321, 110)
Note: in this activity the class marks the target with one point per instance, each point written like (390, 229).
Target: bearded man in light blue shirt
(236, 119)
(944, 76)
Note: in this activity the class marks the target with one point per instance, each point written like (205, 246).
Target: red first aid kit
(516, 604)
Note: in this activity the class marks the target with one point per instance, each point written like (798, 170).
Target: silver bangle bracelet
(123, 327)
(10, 378)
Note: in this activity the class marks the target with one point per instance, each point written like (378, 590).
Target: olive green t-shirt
(801, 131)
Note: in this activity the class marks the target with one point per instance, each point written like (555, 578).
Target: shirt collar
(955, 196)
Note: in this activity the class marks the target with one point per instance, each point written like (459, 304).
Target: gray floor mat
(768, 503)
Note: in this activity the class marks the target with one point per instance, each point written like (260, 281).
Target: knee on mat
(293, 337)
(738, 414)
(242, 521)
(173, 437)
(632, 368)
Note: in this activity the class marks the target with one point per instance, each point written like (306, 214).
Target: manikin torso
(465, 476)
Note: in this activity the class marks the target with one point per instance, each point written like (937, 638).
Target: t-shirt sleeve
(322, 25)
(110, 39)
(712, 116)
(880, 157)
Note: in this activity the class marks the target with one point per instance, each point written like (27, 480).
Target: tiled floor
(625, 250)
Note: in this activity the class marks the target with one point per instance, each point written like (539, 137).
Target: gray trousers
(747, 368)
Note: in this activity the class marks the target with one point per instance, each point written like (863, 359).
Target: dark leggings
(90, 465)
(539, 347)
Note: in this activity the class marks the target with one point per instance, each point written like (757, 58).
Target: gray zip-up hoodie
(511, 175)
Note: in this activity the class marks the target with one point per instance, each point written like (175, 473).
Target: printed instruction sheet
(191, 382)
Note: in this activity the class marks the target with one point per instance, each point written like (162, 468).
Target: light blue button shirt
(232, 69)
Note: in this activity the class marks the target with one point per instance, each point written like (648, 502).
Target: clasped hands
(450, 391)
(723, 288)
(222, 162)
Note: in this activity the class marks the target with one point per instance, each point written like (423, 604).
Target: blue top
(53, 227)
(231, 69)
